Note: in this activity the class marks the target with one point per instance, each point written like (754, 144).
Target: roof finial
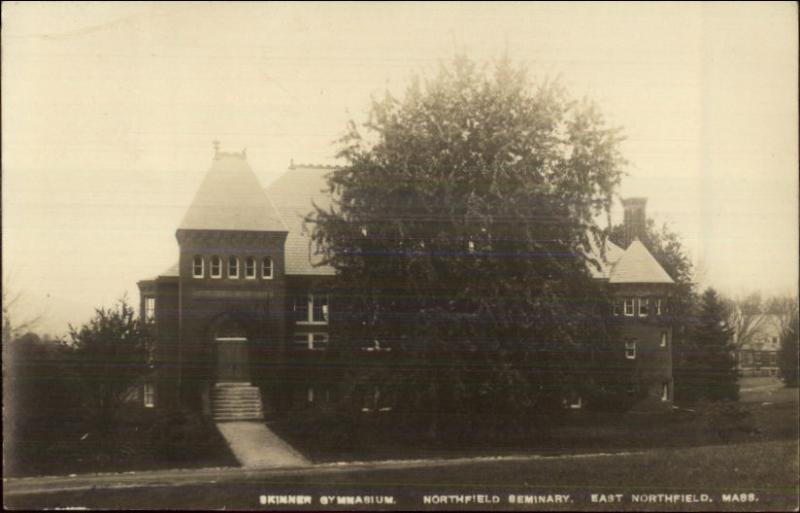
(291, 163)
(244, 153)
(216, 147)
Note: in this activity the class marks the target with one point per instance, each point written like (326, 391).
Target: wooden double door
(233, 359)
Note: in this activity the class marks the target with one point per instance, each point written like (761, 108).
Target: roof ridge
(295, 165)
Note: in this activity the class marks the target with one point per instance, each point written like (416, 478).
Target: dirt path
(178, 477)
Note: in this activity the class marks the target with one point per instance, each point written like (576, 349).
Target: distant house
(758, 356)
(243, 319)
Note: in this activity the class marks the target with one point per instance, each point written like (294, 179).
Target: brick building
(242, 319)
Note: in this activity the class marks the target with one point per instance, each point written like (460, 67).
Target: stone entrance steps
(236, 402)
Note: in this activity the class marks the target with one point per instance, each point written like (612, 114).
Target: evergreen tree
(788, 353)
(460, 232)
(712, 358)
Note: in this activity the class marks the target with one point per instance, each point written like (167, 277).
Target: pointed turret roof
(638, 265)
(294, 194)
(231, 198)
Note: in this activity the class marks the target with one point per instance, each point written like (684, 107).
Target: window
(197, 267)
(233, 267)
(149, 309)
(658, 306)
(376, 346)
(311, 394)
(319, 308)
(617, 307)
(311, 309)
(216, 267)
(312, 341)
(663, 339)
(644, 307)
(665, 392)
(629, 307)
(150, 349)
(375, 400)
(266, 268)
(250, 268)
(630, 350)
(300, 309)
(149, 395)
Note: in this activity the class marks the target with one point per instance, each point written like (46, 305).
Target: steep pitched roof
(294, 194)
(612, 254)
(637, 265)
(231, 198)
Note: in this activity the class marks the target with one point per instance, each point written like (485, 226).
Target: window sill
(311, 323)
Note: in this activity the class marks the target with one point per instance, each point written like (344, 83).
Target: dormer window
(250, 268)
(216, 267)
(233, 267)
(198, 270)
(266, 268)
(644, 306)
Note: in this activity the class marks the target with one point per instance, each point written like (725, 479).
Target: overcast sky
(109, 111)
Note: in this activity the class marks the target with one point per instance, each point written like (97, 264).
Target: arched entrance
(232, 354)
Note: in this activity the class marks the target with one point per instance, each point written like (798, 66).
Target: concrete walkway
(255, 446)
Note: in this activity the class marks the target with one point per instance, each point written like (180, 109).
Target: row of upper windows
(216, 263)
(309, 308)
(646, 305)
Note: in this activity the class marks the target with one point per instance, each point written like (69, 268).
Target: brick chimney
(635, 218)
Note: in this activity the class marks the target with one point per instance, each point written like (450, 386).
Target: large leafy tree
(460, 230)
(746, 318)
(111, 353)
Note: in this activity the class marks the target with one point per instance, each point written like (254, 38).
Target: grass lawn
(768, 470)
(768, 412)
(137, 444)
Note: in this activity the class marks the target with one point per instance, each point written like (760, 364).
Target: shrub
(729, 420)
(183, 436)
(328, 426)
